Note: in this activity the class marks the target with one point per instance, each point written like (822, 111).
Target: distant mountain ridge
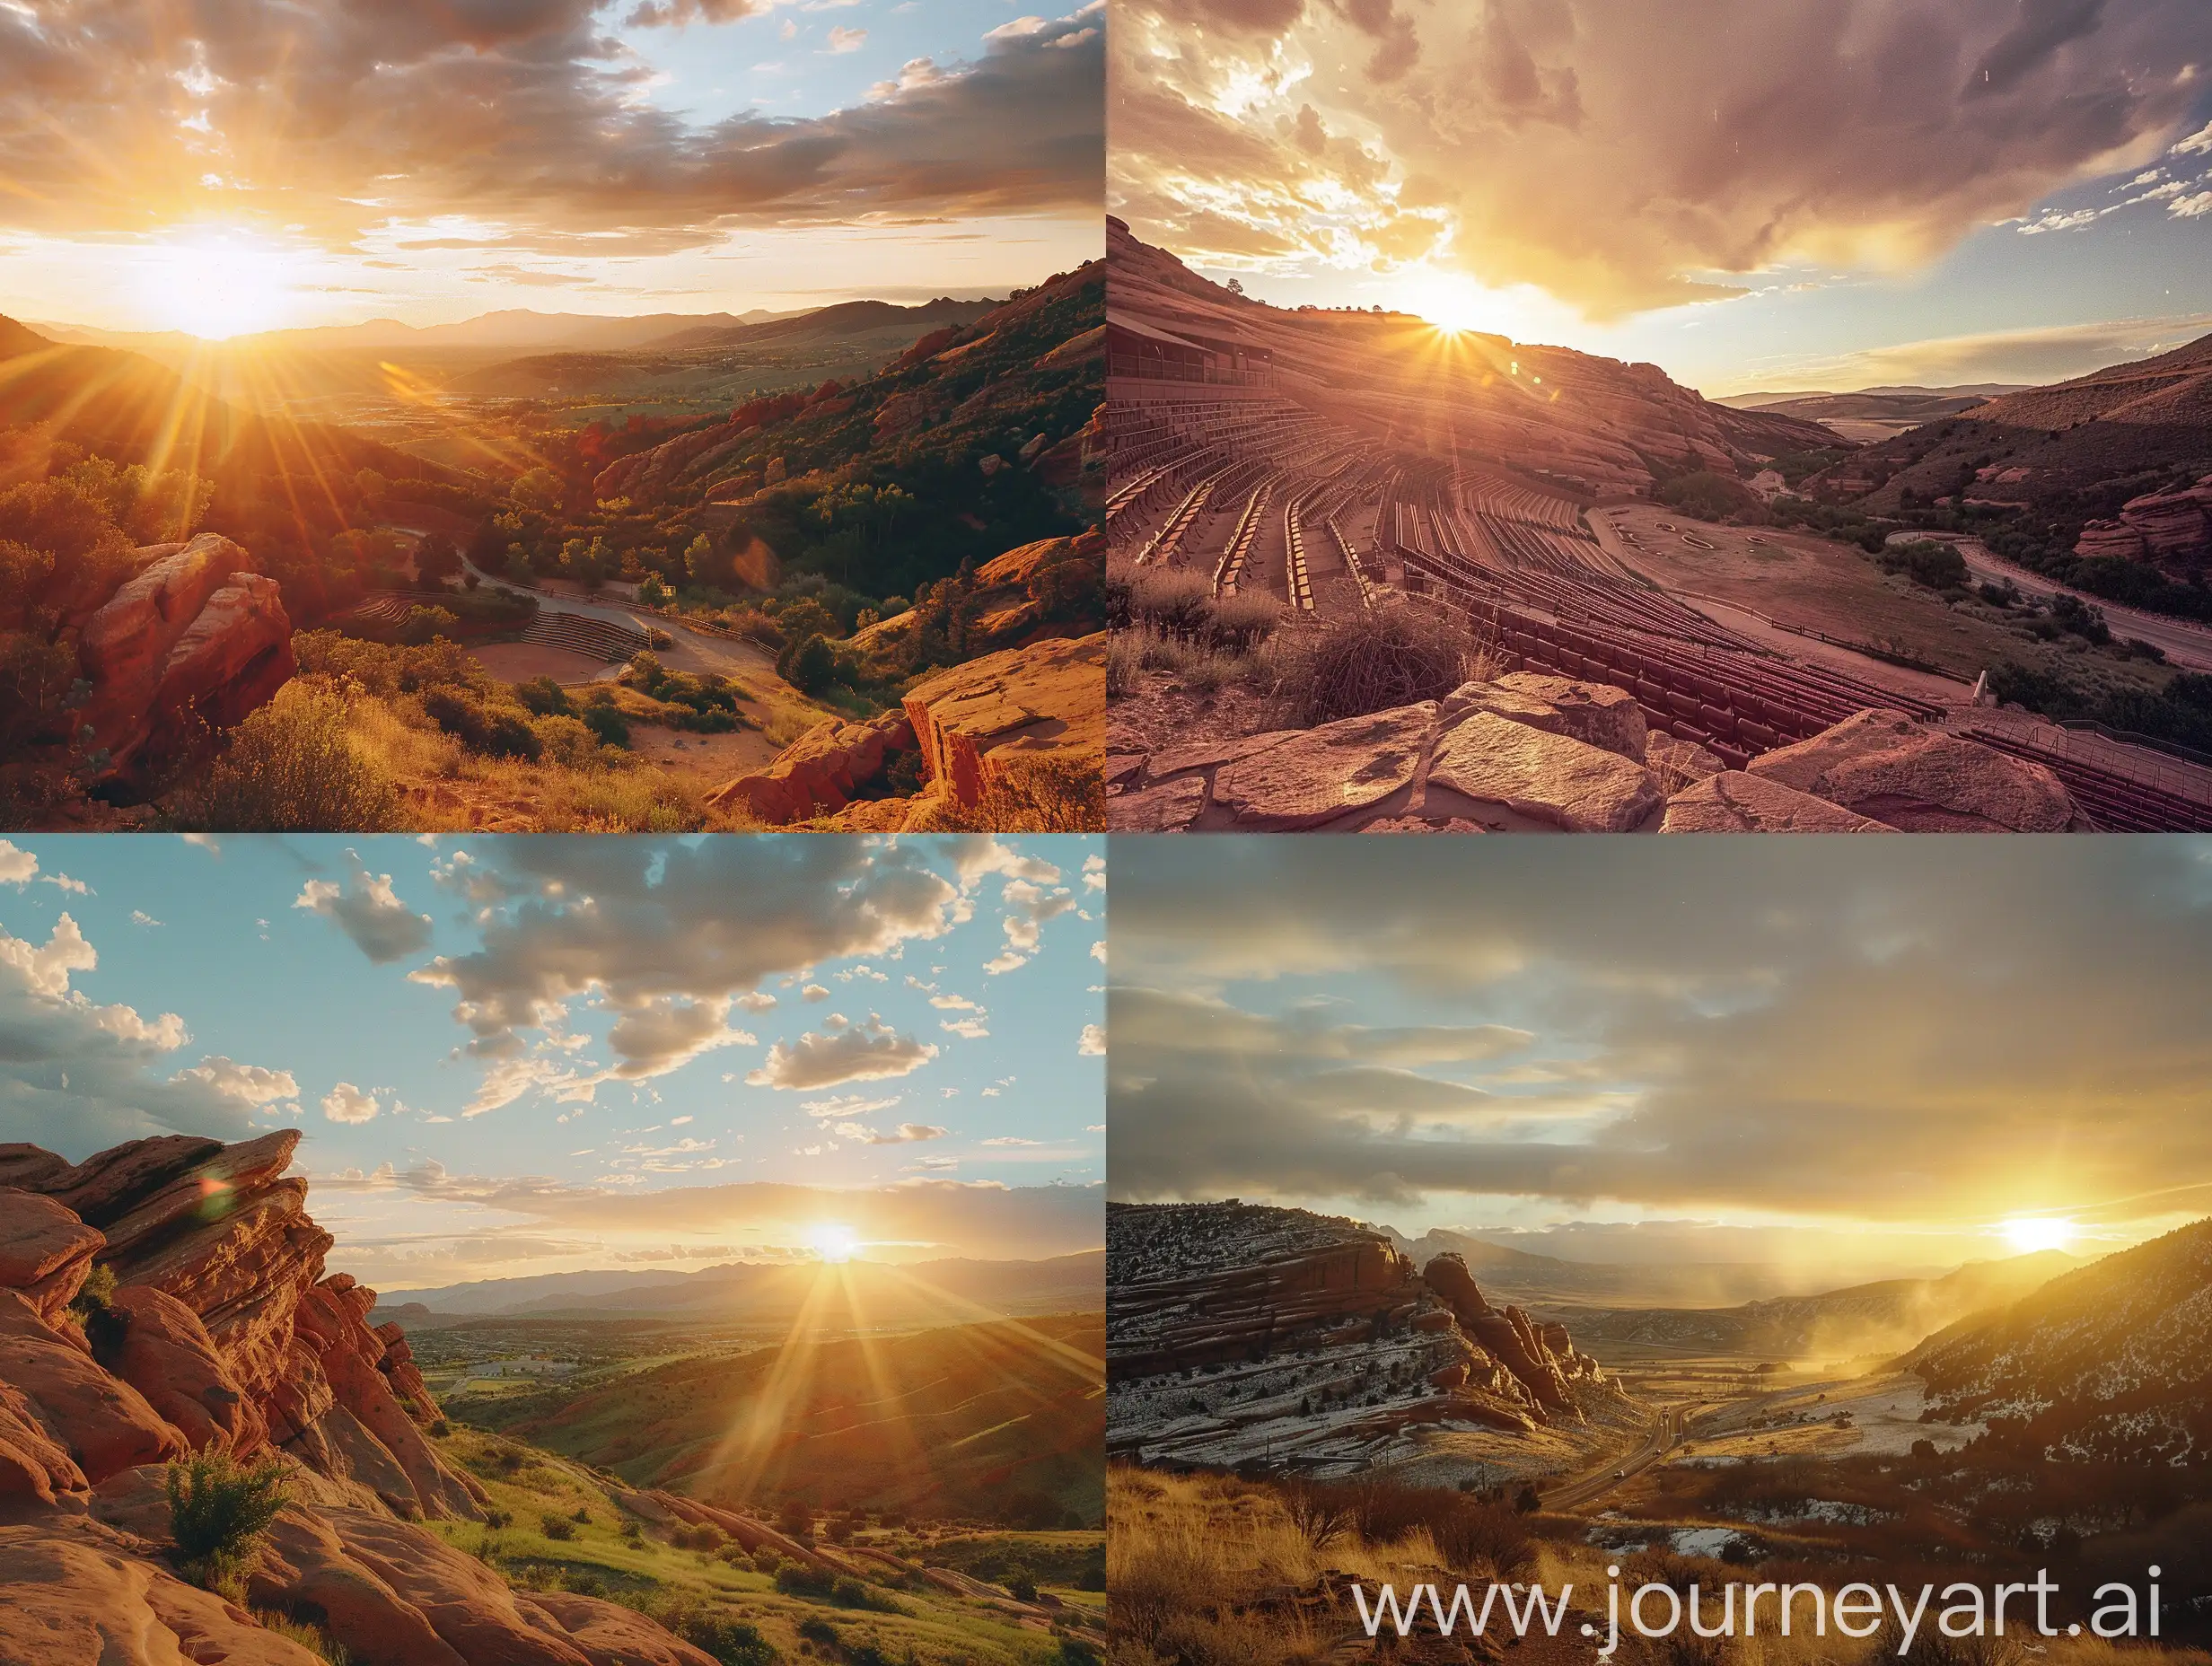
(1859, 1319)
(745, 1290)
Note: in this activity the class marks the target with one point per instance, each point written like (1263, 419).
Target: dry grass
(1368, 662)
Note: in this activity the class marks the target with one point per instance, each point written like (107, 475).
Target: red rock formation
(224, 1333)
(981, 723)
(195, 638)
(2172, 530)
(818, 773)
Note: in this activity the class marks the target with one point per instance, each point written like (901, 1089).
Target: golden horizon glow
(216, 281)
(2029, 1234)
(834, 1244)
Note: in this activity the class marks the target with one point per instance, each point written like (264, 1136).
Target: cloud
(1092, 1042)
(532, 119)
(905, 1133)
(1835, 1033)
(1604, 152)
(666, 937)
(77, 1076)
(250, 1084)
(366, 908)
(969, 1028)
(18, 866)
(847, 1105)
(348, 1104)
(842, 39)
(859, 1052)
(814, 992)
(2037, 355)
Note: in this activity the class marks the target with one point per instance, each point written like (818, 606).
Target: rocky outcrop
(223, 1332)
(1243, 1334)
(222, 1329)
(2172, 530)
(1529, 753)
(985, 723)
(1890, 769)
(818, 773)
(193, 641)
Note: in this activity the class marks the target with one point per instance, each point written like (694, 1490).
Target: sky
(1752, 194)
(1864, 1057)
(536, 1054)
(220, 168)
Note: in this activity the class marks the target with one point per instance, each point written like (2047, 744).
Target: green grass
(930, 1626)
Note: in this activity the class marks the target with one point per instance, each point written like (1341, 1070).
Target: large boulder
(1305, 779)
(195, 638)
(1732, 801)
(45, 1250)
(1552, 778)
(1890, 769)
(984, 722)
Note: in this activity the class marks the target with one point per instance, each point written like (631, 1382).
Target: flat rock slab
(1167, 809)
(1318, 774)
(1735, 803)
(1596, 712)
(1552, 778)
(1883, 765)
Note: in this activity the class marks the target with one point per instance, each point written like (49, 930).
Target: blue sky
(633, 1027)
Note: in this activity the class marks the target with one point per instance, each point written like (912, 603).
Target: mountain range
(867, 1293)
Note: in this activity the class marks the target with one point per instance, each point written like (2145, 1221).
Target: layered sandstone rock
(194, 640)
(223, 1332)
(2172, 530)
(1243, 1334)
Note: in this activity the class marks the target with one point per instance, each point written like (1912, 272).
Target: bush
(311, 1638)
(482, 728)
(544, 698)
(1046, 796)
(731, 1642)
(556, 1526)
(809, 664)
(604, 719)
(1370, 661)
(219, 1514)
(290, 768)
(1924, 561)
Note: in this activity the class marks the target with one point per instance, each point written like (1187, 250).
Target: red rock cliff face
(224, 1332)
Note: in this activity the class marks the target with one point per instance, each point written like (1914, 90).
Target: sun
(216, 281)
(2028, 1234)
(834, 1243)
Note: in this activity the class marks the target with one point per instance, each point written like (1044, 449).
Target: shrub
(1051, 794)
(311, 1638)
(731, 1642)
(1022, 1588)
(1370, 661)
(1924, 561)
(544, 698)
(290, 768)
(556, 1526)
(809, 664)
(604, 719)
(1318, 1509)
(218, 1514)
(482, 728)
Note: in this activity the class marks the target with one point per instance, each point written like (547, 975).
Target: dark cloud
(1924, 1030)
(122, 115)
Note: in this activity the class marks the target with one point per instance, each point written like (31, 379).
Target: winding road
(2184, 643)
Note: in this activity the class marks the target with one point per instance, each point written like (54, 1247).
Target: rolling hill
(1002, 1421)
(2111, 1363)
(133, 410)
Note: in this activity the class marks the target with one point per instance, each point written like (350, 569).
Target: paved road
(1665, 1431)
(2184, 643)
